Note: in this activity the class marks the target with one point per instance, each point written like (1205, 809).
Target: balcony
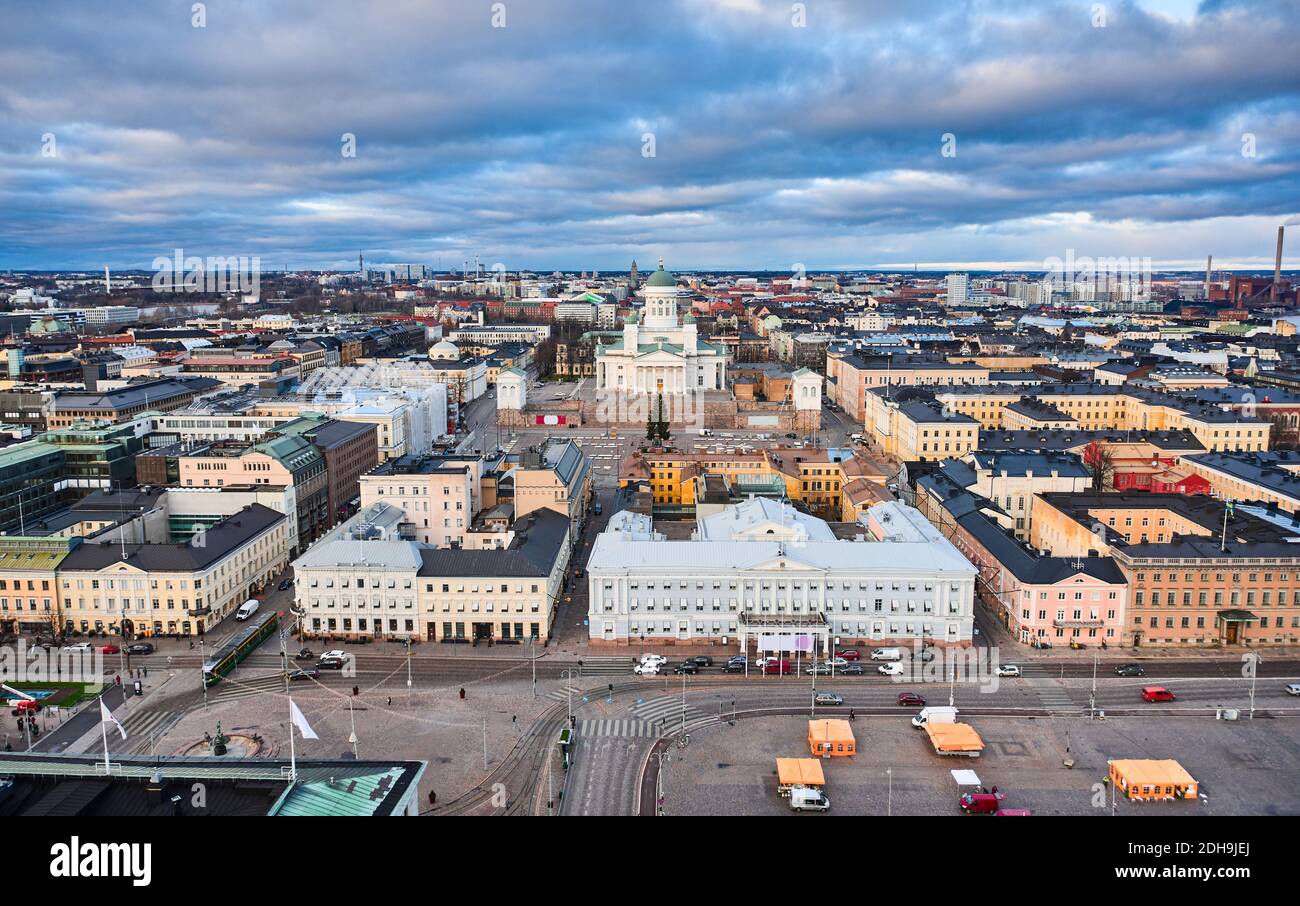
(199, 611)
(1078, 624)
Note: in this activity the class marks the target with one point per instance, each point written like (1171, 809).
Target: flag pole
(103, 732)
(293, 762)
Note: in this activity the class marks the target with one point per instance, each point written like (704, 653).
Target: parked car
(1040, 643)
(305, 673)
(911, 699)
(331, 663)
(851, 654)
(775, 665)
(792, 436)
(687, 667)
(653, 659)
(701, 660)
(818, 669)
(853, 670)
(110, 649)
(139, 648)
(828, 698)
(734, 667)
(1130, 670)
(1156, 694)
(285, 585)
(304, 654)
(738, 659)
(79, 646)
(838, 663)
(336, 653)
(1008, 670)
(980, 803)
(891, 669)
(647, 668)
(1293, 688)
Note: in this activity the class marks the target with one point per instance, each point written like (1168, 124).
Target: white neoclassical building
(660, 351)
(758, 570)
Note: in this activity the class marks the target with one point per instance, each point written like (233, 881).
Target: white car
(80, 646)
(1293, 689)
(838, 663)
(338, 653)
(891, 669)
(646, 669)
(1008, 670)
(656, 659)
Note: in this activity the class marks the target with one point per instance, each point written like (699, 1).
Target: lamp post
(660, 757)
(569, 677)
(352, 737)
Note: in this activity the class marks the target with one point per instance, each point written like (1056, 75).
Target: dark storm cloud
(774, 144)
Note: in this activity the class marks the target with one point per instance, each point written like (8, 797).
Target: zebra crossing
(230, 690)
(1052, 694)
(141, 726)
(626, 728)
(563, 695)
(606, 666)
(666, 710)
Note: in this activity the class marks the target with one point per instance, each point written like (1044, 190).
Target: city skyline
(723, 136)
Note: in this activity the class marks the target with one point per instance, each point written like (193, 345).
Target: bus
(239, 646)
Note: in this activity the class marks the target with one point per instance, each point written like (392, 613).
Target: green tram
(239, 646)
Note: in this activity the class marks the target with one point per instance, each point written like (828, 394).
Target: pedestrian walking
(117, 680)
(433, 798)
(146, 672)
(462, 692)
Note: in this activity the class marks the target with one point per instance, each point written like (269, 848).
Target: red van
(980, 803)
(776, 665)
(1156, 694)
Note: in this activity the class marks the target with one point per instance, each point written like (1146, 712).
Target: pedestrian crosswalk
(606, 666)
(666, 710)
(1051, 693)
(618, 727)
(229, 690)
(146, 727)
(566, 694)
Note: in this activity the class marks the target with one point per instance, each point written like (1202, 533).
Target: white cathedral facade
(660, 352)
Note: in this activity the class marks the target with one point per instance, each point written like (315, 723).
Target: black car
(852, 670)
(285, 584)
(1130, 670)
(793, 436)
(330, 663)
(687, 667)
(734, 667)
(139, 648)
(1039, 643)
(305, 673)
(701, 660)
(304, 654)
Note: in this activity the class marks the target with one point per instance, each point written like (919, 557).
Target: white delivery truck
(939, 714)
(247, 609)
(808, 799)
(887, 654)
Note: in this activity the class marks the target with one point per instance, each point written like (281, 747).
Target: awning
(1235, 616)
(966, 778)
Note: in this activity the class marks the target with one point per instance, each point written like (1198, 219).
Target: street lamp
(660, 757)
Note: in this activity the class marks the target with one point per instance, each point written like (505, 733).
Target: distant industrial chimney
(108, 284)
(1277, 268)
(1209, 270)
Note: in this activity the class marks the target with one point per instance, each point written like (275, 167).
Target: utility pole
(203, 680)
(1092, 696)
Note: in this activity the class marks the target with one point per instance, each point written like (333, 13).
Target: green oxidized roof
(661, 277)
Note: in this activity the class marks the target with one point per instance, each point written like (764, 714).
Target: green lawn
(68, 695)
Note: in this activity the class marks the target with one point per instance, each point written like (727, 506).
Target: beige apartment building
(853, 376)
(1091, 407)
(438, 494)
(154, 588)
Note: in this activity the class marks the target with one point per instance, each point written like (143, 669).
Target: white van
(808, 799)
(887, 654)
(247, 609)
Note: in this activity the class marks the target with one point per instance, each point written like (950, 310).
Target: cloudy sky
(716, 133)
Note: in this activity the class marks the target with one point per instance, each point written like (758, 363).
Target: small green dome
(661, 277)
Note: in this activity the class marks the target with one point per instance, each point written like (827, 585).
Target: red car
(1156, 694)
(109, 649)
(851, 654)
(981, 803)
(774, 665)
(911, 699)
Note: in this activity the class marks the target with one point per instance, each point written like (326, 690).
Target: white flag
(301, 722)
(105, 714)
